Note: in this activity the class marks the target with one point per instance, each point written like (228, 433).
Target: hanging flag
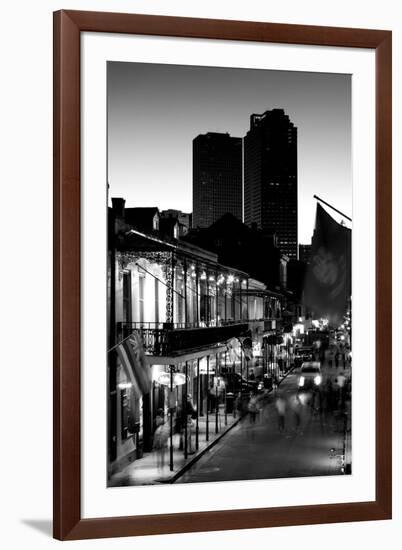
(233, 350)
(132, 357)
(247, 346)
(327, 287)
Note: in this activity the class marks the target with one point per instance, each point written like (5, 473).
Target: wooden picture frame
(68, 523)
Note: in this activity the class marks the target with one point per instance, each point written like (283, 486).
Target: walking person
(237, 406)
(191, 414)
(344, 360)
(327, 401)
(275, 384)
(280, 405)
(295, 405)
(253, 409)
(341, 383)
(160, 442)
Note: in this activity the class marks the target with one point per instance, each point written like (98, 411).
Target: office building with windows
(217, 178)
(270, 177)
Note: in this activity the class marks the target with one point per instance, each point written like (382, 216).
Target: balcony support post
(207, 419)
(171, 367)
(198, 406)
(226, 407)
(216, 395)
(185, 293)
(169, 269)
(197, 295)
(216, 298)
(185, 412)
(208, 308)
(226, 299)
(247, 306)
(241, 300)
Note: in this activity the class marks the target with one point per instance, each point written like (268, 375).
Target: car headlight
(317, 380)
(301, 381)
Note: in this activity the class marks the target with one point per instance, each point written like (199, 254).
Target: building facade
(270, 177)
(192, 316)
(304, 253)
(183, 219)
(217, 178)
(245, 248)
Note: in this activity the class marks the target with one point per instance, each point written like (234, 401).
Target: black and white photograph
(229, 200)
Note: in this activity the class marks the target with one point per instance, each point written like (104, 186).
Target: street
(261, 451)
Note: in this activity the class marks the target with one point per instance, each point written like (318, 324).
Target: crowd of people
(183, 425)
(330, 399)
(333, 396)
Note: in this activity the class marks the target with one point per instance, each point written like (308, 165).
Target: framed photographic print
(222, 230)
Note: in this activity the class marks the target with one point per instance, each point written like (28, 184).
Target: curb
(198, 455)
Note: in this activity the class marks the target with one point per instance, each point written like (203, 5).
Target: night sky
(155, 111)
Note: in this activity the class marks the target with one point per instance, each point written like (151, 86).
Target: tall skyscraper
(217, 178)
(270, 177)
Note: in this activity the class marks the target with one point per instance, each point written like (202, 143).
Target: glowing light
(178, 379)
(317, 380)
(124, 385)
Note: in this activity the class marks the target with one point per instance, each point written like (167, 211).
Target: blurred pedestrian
(295, 405)
(160, 418)
(275, 384)
(161, 436)
(280, 405)
(341, 383)
(252, 408)
(191, 415)
(328, 399)
(237, 405)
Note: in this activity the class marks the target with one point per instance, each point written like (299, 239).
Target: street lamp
(171, 379)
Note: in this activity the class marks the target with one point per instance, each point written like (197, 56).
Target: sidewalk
(144, 471)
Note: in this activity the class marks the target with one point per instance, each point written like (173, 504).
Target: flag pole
(333, 208)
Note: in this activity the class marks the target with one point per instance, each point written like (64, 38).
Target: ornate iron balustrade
(166, 339)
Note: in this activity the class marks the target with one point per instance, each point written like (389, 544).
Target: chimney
(118, 207)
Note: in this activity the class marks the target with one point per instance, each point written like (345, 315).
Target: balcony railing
(165, 339)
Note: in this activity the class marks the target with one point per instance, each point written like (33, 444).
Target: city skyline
(157, 150)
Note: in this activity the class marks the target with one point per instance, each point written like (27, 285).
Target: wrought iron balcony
(167, 339)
